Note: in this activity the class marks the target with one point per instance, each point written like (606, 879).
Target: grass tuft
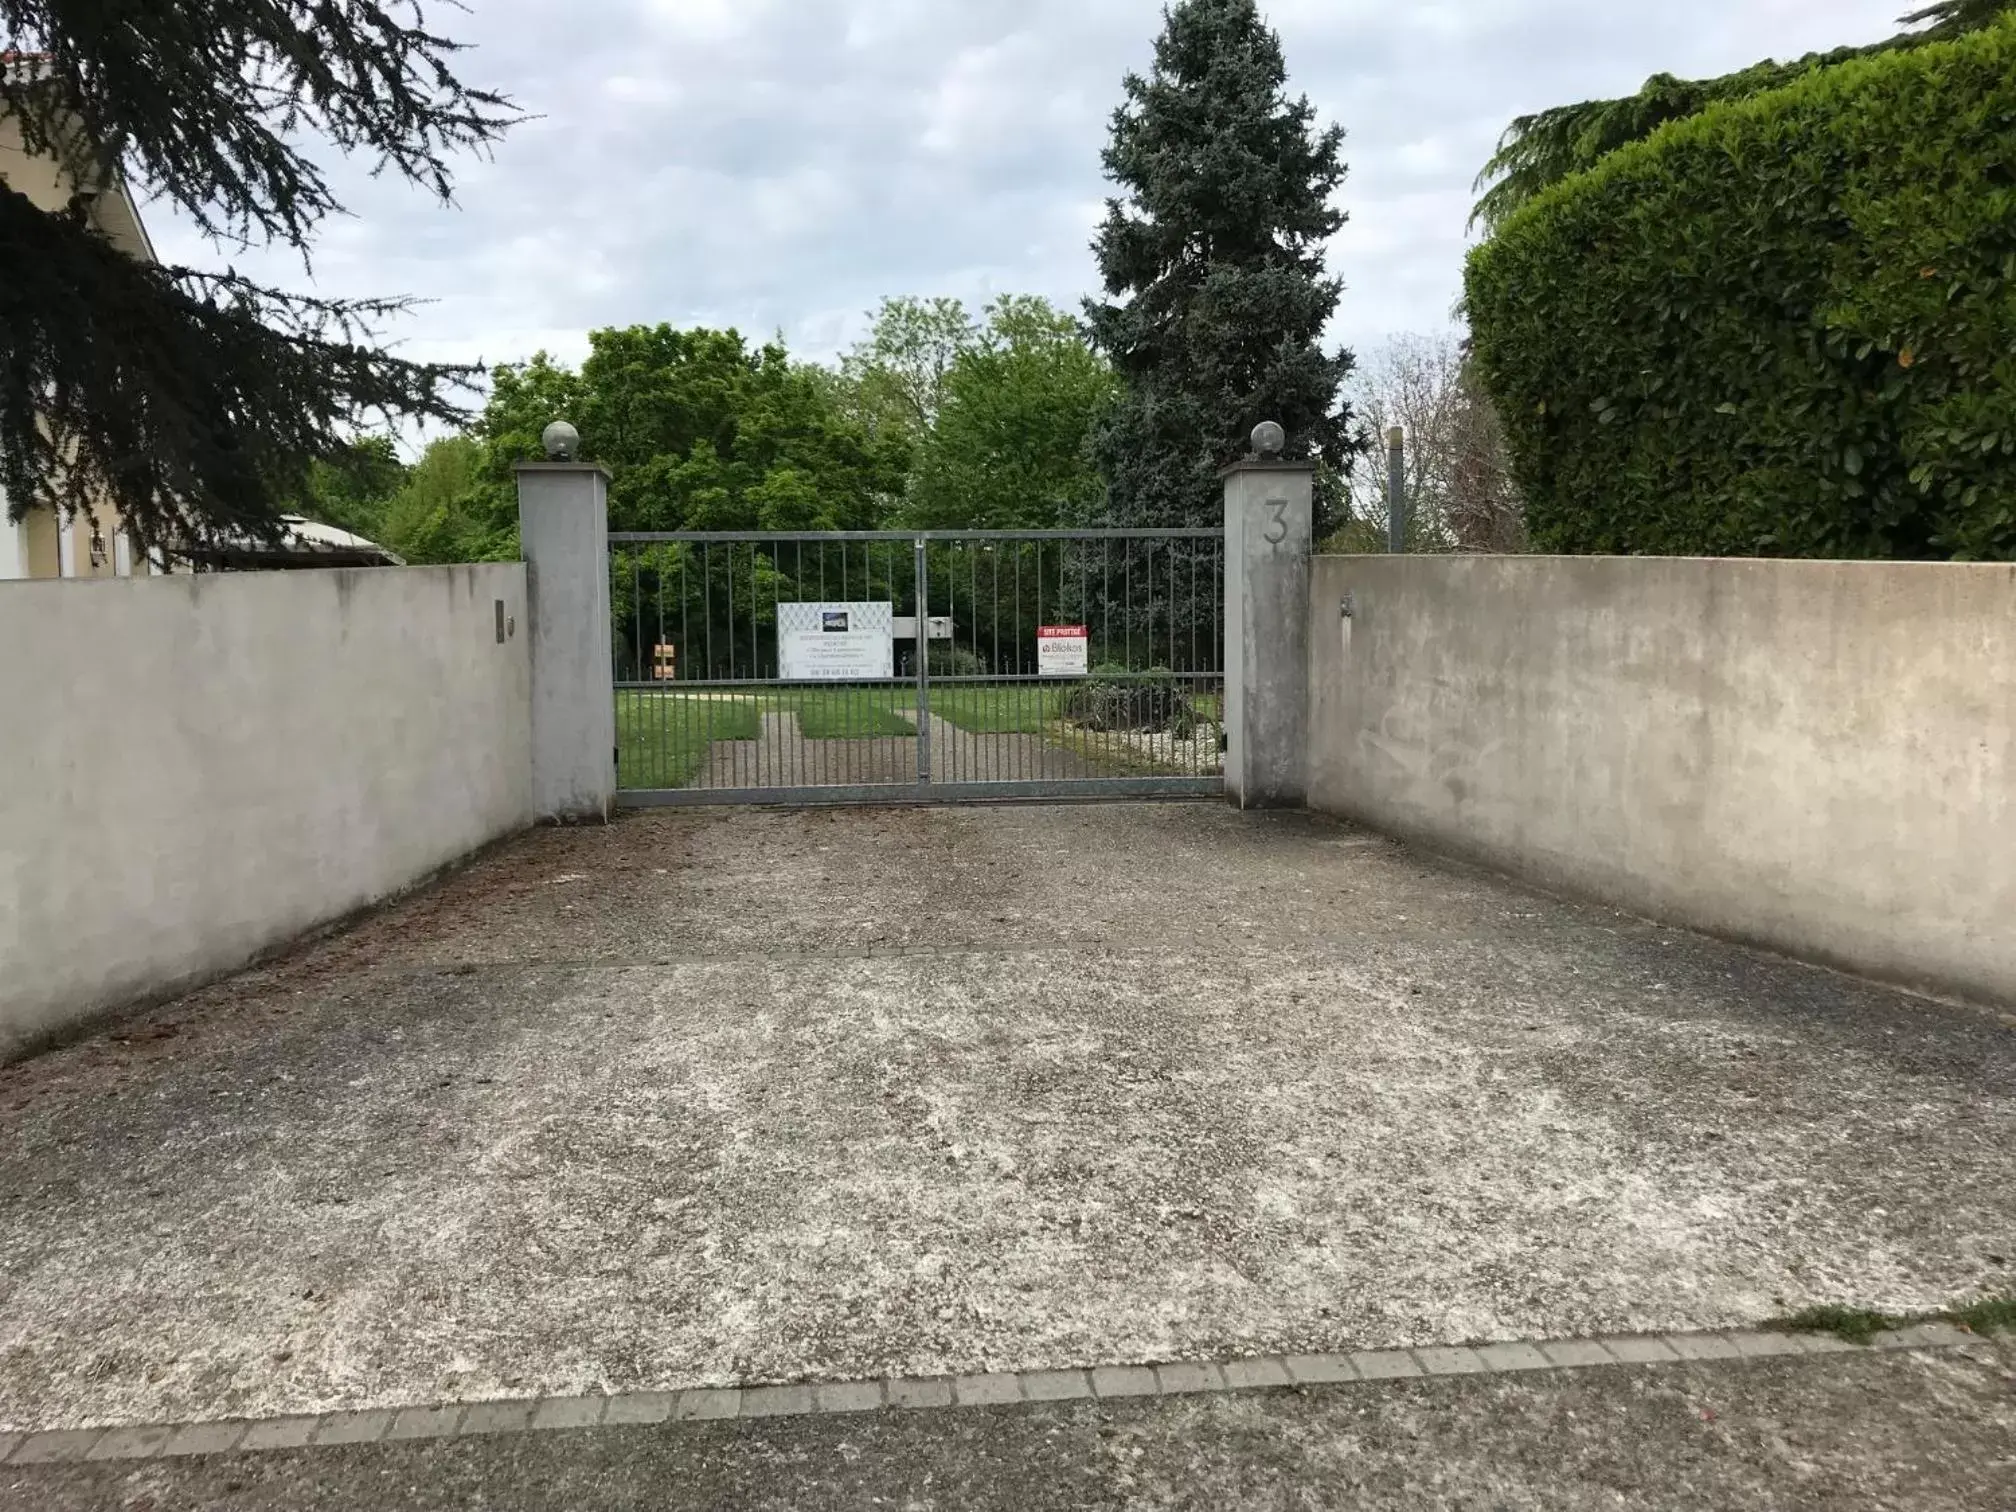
(1859, 1325)
(1855, 1324)
(1989, 1315)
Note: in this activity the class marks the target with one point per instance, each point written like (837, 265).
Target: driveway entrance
(707, 1099)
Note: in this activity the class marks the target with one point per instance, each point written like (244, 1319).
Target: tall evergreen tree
(1214, 257)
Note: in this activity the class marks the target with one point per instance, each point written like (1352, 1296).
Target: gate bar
(760, 537)
(1093, 790)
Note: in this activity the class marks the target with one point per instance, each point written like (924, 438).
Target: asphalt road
(1928, 1432)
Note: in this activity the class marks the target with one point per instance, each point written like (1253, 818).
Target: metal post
(1396, 490)
(923, 666)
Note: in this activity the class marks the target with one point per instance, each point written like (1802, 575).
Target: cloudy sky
(783, 164)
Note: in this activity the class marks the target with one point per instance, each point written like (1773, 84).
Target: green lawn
(1019, 708)
(662, 738)
(998, 708)
(848, 713)
(981, 708)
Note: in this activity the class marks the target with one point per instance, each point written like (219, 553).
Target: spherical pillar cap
(561, 440)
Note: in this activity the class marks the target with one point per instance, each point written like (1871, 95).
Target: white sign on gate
(1063, 651)
(835, 642)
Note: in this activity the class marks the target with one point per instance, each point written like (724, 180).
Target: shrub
(1783, 327)
(1113, 698)
(948, 660)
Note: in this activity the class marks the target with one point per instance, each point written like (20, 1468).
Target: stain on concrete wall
(196, 768)
(1819, 757)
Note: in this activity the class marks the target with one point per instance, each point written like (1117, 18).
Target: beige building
(90, 542)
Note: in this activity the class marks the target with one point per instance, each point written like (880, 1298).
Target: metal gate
(941, 666)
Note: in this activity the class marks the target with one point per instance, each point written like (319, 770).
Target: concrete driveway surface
(732, 1097)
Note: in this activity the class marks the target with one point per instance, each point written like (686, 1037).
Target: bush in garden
(1112, 698)
(948, 660)
(1783, 327)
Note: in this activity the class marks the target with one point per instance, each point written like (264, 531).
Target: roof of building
(305, 543)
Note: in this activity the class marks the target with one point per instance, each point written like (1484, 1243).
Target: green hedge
(1784, 327)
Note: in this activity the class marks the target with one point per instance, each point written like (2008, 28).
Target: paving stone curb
(1354, 1368)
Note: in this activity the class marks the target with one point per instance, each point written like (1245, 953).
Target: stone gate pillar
(1269, 508)
(563, 528)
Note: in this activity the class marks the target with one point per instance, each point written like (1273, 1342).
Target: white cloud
(786, 163)
(690, 22)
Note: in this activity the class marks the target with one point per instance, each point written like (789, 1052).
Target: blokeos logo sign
(1063, 651)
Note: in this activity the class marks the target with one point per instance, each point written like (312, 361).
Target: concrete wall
(13, 545)
(196, 768)
(1818, 757)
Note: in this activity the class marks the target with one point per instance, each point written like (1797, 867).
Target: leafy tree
(700, 432)
(1011, 446)
(898, 374)
(1955, 18)
(1460, 494)
(197, 401)
(524, 399)
(1215, 259)
(352, 491)
(1540, 150)
(703, 433)
(444, 513)
(437, 510)
(476, 520)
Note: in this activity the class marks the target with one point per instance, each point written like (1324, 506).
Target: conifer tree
(1213, 256)
(196, 401)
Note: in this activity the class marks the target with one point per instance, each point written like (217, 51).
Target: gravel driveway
(743, 1096)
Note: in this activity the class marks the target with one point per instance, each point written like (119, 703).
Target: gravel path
(745, 1096)
(783, 757)
(966, 756)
